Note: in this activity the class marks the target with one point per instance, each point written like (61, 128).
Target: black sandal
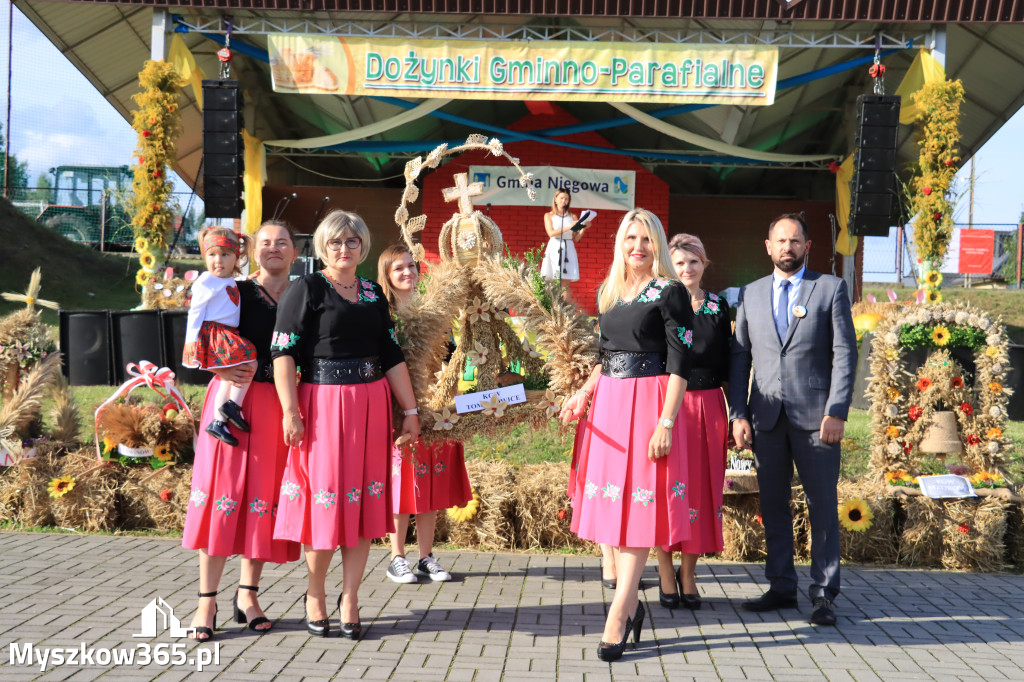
(202, 630)
(240, 616)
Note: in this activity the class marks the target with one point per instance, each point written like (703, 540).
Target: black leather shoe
(351, 631)
(692, 601)
(669, 601)
(610, 584)
(233, 414)
(220, 431)
(824, 611)
(317, 628)
(771, 600)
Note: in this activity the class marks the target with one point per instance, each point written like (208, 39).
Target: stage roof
(109, 42)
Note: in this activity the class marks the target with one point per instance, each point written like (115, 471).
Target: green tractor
(85, 205)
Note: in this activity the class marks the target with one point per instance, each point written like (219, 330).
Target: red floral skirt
(219, 346)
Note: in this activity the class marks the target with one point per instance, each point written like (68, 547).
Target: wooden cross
(463, 191)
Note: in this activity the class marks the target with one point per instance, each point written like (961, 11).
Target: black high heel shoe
(202, 630)
(669, 601)
(317, 628)
(638, 623)
(690, 601)
(351, 631)
(240, 616)
(609, 652)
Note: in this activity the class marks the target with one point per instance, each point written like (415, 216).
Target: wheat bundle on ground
(91, 505)
(543, 507)
(883, 308)
(879, 542)
(25, 490)
(920, 543)
(156, 499)
(494, 526)
(973, 531)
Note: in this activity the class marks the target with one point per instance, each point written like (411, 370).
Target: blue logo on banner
(620, 186)
(484, 178)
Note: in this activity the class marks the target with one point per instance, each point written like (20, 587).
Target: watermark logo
(482, 178)
(158, 615)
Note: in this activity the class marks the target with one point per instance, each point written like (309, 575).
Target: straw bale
(920, 543)
(742, 531)
(878, 543)
(1015, 535)
(141, 504)
(973, 531)
(540, 496)
(494, 526)
(92, 504)
(26, 490)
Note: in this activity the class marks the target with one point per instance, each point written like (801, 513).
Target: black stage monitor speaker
(874, 194)
(85, 343)
(223, 148)
(137, 336)
(174, 324)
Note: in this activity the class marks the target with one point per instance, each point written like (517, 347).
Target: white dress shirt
(211, 303)
(795, 280)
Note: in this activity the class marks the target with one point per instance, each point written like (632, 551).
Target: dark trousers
(776, 451)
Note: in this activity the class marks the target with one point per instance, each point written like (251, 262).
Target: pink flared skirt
(619, 496)
(429, 476)
(336, 488)
(707, 426)
(235, 489)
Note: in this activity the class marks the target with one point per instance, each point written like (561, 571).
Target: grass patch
(12, 527)
(525, 445)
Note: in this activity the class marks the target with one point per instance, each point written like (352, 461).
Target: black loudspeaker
(874, 194)
(174, 324)
(137, 336)
(85, 344)
(223, 148)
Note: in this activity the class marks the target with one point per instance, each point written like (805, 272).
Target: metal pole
(103, 221)
(899, 255)
(7, 127)
(1020, 250)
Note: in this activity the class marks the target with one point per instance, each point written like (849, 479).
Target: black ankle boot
(220, 431)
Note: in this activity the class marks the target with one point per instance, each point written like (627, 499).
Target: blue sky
(68, 122)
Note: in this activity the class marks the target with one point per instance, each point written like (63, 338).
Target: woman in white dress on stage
(560, 261)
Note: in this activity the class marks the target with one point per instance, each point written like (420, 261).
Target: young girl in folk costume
(211, 338)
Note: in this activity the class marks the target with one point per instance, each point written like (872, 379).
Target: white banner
(471, 402)
(614, 190)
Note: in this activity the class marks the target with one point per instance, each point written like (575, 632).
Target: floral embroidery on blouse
(679, 490)
(643, 496)
(439, 468)
(198, 497)
(376, 488)
(591, 490)
(353, 495)
(258, 506)
(611, 491)
(283, 340)
(325, 498)
(290, 490)
(226, 505)
(711, 305)
(685, 335)
(394, 337)
(651, 292)
(693, 515)
(366, 292)
(422, 469)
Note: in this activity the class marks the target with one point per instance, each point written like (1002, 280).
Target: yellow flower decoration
(108, 445)
(896, 476)
(892, 354)
(994, 433)
(933, 278)
(855, 515)
(988, 478)
(163, 453)
(142, 278)
(892, 432)
(147, 261)
(933, 297)
(893, 394)
(940, 335)
(493, 406)
(992, 352)
(445, 420)
(465, 513)
(995, 387)
(59, 487)
(141, 244)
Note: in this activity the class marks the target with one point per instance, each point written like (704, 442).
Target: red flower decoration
(561, 513)
(907, 448)
(146, 133)
(937, 216)
(914, 413)
(964, 528)
(758, 519)
(957, 382)
(926, 191)
(973, 440)
(142, 159)
(166, 495)
(156, 174)
(924, 384)
(966, 409)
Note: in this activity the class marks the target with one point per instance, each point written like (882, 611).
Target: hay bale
(143, 492)
(973, 531)
(920, 543)
(543, 508)
(92, 504)
(801, 524)
(494, 525)
(28, 493)
(1014, 535)
(879, 542)
(10, 495)
(742, 531)
(740, 482)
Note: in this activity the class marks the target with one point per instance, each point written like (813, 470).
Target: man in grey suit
(794, 327)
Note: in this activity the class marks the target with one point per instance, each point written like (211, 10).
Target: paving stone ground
(505, 616)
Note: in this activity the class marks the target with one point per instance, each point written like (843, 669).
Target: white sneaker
(400, 572)
(429, 567)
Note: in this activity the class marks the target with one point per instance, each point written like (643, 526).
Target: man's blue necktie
(782, 316)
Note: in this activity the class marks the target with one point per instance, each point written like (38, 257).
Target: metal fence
(893, 259)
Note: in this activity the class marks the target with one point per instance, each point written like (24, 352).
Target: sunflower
(933, 278)
(108, 445)
(465, 513)
(141, 278)
(933, 296)
(147, 260)
(855, 515)
(141, 244)
(940, 336)
(897, 477)
(995, 387)
(59, 487)
(163, 453)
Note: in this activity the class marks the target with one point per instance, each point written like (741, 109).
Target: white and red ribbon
(145, 373)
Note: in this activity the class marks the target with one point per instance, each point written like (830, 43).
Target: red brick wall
(523, 226)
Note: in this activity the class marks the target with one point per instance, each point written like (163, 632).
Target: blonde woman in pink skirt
(235, 488)
(629, 476)
(336, 488)
(425, 478)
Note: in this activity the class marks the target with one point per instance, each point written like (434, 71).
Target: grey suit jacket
(810, 372)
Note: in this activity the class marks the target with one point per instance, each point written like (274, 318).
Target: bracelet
(409, 413)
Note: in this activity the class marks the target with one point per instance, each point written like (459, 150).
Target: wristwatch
(666, 422)
(409, 413)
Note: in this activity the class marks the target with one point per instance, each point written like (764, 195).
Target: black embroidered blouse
(314, 321)
(712, 330)
(658, 320)
(257, 318)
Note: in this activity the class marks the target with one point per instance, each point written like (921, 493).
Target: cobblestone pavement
(505, 616)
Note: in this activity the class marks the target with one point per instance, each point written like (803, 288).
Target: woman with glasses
(337, 328)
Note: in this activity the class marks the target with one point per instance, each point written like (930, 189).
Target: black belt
(264, 371)
(629, 365)
(703, 380)
(358, 371)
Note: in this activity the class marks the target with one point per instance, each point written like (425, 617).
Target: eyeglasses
(352, 243)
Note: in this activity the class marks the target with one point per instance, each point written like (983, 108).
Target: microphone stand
(319, 210)
(287, 199)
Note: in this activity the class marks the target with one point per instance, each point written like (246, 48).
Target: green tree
(42, 188)
(18, 171)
